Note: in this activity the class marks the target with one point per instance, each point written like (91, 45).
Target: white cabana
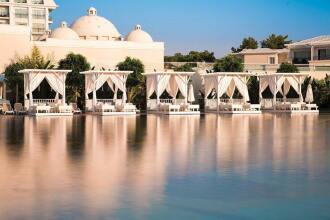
(281, 83)
(226, 83)
(171, 82)
(116, 80)
(33, 78)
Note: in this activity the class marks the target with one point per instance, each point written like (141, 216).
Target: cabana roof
(169, 73)
(228, 74)
(45, 71)
(108, 72)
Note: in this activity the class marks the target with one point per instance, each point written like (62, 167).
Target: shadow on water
(76, 138)
(14, 129)
(136, 136)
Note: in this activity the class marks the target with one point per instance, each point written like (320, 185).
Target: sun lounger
(19, 109)
(312, 107)
(75, 109)
(7, 109)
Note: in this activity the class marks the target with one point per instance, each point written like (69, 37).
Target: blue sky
(214, 25)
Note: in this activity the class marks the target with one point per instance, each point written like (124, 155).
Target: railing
(106, 101)
(44, 101)
(211, 104)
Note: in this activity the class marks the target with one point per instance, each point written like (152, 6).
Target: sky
(214, 25)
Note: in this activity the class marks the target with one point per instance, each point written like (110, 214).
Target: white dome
(64, 33)
(138, 35)
(95, 27)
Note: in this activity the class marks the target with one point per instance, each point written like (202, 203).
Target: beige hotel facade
(26, 23)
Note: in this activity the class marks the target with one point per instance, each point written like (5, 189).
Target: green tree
(229, 63)
(275, 41)
(185, 68)
(75, 82)
(192, 56)
(288, 68)
(15, 80)
(247, 43)
(136, 87)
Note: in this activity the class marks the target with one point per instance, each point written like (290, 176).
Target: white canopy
(34, 77)
(94, 80)
(275, 81)
(172, 82)
(226, 82)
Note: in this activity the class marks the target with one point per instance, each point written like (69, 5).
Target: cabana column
(64, 93)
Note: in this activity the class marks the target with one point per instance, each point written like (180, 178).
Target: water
(149, 167)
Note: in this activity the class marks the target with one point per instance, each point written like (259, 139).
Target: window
(271, 60)
(38, 28)
(21, 13)
(38, 2)
(302, 57)
(38, 14)
(4, 12)
(4, 0)
(20, 1)
(324, 54)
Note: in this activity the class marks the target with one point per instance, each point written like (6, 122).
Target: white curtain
(56, 82)
(101, 80)
(35, 79)
(231, 89)
(223, 85)
(294, 83)
(172, 87)
(151, 85)
(287, 87)
(89, 85)
(120, 82)
(210, 84)
(242, 88)
(111, 85)
(263, 84)
(182, 82)
(163, 81)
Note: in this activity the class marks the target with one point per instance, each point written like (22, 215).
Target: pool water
(160, 167)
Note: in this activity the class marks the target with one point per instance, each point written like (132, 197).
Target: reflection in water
(90, 167)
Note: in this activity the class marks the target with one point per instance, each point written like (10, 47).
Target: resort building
(91, 35)
(264, 59)
(312, 55)
(33, 14)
